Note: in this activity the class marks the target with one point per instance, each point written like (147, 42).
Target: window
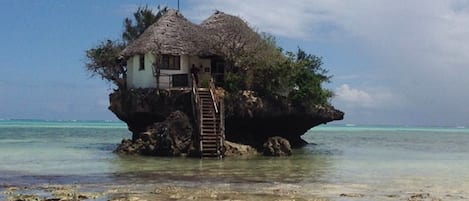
(170, 62)
(141, 62)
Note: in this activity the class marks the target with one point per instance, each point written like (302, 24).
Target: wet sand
(144, 192)
(148, 192)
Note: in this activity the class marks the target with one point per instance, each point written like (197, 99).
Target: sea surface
(340, 163)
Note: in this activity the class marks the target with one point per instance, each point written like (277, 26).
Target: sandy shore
(142, 193)
(149, 192)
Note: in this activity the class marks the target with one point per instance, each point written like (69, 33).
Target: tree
(143, 18)
(307, 79)
(297, 76)
(104, 60)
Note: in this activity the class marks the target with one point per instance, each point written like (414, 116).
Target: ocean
(340, 163)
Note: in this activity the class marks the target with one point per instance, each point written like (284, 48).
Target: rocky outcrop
(249, 120)
(234, 149)
(140, 108)
(277, 146)
(171, 137)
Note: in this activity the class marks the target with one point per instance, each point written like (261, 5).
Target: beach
(74, 160)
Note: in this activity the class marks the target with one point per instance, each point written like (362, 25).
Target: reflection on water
(300, 168)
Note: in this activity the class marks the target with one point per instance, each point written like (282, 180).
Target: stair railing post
(198, 116)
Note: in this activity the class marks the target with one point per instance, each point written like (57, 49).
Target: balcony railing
(167, 81)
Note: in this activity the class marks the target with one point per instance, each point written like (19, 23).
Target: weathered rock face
(171, 137)
(277, 146)
(234, 149)
(252, 120)
(140, 108)
(249, 119)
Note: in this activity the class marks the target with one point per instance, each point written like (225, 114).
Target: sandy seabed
(149, 192)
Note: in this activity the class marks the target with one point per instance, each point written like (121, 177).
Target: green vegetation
(260, 65)
(276, 74)
(144, 17)
(104, 60)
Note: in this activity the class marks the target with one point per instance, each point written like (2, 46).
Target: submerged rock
(277, 146)
(234, 149)
(171, 137)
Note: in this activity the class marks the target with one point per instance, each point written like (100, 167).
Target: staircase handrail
(196, 108)
(214, 96)
(219, 109)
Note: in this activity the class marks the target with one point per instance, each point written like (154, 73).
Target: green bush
(297, 76)
(233, 82)
(204, 82)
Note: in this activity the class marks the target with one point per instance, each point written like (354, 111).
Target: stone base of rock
(277, 146)
(171, 137)
(249, 118)
(234, 149)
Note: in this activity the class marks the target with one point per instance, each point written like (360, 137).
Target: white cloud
(417, 51)
(354, 96)
(351, 98)
(294, 19)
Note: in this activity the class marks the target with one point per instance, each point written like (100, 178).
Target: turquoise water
(379, 162)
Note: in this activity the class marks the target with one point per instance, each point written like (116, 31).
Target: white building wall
(141, 78)
(130, 72)
(144, 78)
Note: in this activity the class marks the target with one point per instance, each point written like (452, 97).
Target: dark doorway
(218, 70)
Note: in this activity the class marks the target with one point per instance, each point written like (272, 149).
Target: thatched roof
(225, 23)
(230, 35)
(171, 34)
(174, 34)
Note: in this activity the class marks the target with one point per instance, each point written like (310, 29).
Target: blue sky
(393, 62)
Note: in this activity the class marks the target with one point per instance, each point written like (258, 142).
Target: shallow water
(379, 163)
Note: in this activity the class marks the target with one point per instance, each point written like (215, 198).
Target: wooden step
(206, 137)
(210, 150)
(208, 123)
(209, 137)
(209, 133)
(208, 146)
(209, 126)
(215, 142)
(209, 130)
(209, 143)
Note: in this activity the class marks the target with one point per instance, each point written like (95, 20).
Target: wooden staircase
(210, 118)
(210, 136)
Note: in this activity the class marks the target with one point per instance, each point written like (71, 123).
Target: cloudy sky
(393, 62)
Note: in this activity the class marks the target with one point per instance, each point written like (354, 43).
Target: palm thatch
(230, 35)
(172, 34)
(225, 24)
(220, 34)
